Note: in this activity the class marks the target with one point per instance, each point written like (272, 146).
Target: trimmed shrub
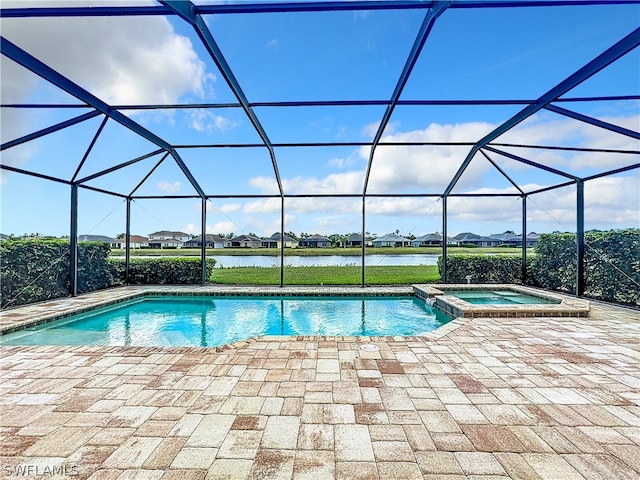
(36, 270)
(612, 264)
(154, 271)
(553, 266)
(483, 268)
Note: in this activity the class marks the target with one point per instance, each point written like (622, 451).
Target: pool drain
(369, 347)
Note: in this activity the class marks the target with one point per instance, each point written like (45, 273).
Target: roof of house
(210, 238)
(170, 233)
(316, 238)
(95, 238)
(392, 237)
(134, 239)
(467, 236)
(245, 238)
(506, 237)
(287, 238)
(429, 237)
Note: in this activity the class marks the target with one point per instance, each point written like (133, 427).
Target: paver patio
(488, 398)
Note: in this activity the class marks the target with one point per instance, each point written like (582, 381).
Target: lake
(227, 261)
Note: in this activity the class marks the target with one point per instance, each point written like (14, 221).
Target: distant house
(532, 239)
(169, 235)
(95, 238)
(136, 241)
(471, 239)
(212, 241)
(354, 240)
(275, 240)
(243, 241)
(391, 240)
(507, 239)
(514, 240)
(315, 241)
(168, 239)
(429, 240)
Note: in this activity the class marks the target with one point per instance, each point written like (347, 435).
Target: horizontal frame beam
(329, 103)
(293, 7)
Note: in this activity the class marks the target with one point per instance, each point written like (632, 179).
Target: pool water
(212, 321)
(498, 297)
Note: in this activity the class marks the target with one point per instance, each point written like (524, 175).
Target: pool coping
(17, 318)
(457, 307)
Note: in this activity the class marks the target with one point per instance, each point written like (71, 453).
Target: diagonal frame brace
(621, 48)
(593, 121)
(421, 38)
(532, 163)
(15, 53)
(188, 12)
(52, 129)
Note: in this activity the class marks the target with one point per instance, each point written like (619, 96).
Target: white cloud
(119, 59)
(427, 169)
(207, 121)
(371, 129)
(227, 208)
(266, 205)
(547, 129)
(191, 228)
(222, 227)
(170, 187)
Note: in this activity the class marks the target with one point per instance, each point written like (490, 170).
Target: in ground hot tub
(501, 301)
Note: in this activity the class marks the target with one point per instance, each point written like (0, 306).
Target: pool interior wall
(206, 321)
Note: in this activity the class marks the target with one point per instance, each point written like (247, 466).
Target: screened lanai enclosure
(346, 117)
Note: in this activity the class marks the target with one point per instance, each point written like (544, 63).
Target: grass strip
(344, 275)
(356, 252)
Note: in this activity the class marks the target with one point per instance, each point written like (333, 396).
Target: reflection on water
(227, 261)
(212, 321)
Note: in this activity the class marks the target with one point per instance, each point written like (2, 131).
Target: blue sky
(488, 54)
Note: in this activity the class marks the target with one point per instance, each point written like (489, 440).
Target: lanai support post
(580, 238)
(362, 245)
(127, 243)
(444, 239)
(524, 240)
(203, 244)
(282, 241)
(73, 242)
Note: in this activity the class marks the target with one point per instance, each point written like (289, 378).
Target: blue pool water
(498, 297)
(212, 321)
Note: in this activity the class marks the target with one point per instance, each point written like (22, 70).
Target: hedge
(482, 268)
(35, 270)
(612, 264)
(154, 271)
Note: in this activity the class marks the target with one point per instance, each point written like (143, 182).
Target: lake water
(228, 261)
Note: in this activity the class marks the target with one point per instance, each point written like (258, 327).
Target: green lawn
(383, 275)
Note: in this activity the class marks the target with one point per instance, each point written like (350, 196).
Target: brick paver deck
(488, 398)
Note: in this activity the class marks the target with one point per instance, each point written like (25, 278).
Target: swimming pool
(499, 297)
(208, 321)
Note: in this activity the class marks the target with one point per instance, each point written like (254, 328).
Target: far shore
(350, 251)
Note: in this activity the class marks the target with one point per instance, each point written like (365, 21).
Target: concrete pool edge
(457, 307)
(50, 310)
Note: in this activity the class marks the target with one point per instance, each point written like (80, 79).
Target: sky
(482, 54)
